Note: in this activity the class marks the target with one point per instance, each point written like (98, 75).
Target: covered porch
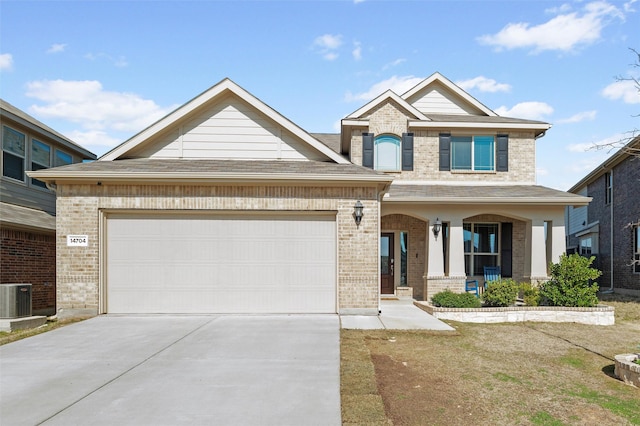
(519, 228)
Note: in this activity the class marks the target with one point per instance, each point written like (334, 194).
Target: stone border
(627, 370)
(599, 315)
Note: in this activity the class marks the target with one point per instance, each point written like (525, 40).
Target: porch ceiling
(482, 194)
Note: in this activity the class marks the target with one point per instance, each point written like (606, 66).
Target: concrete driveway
(173, 370)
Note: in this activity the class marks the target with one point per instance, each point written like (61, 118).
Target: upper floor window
(62, 158)
(13, 153)
(40, 159)
(608, 187)
(636, 249)
(472, 153)
(387, 152)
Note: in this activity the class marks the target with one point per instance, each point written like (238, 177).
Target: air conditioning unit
(15, 300)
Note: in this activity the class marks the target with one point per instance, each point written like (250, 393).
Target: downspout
(380, 196)
(611, 234)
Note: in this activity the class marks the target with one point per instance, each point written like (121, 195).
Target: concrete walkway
(396, 314)
(176, 370)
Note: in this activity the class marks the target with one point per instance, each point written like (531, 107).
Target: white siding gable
(438, 100)
(230, 129)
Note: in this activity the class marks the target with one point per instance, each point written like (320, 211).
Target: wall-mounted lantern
(358, 212)
(436, 228)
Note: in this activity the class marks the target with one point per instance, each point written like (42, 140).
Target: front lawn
(500, 374)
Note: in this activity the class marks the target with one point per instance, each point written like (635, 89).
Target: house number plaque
(77, 240)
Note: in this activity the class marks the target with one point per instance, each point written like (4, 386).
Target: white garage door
(221, 263)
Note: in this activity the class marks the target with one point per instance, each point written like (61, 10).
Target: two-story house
(28, 205)
(225, 205)
(608, 227)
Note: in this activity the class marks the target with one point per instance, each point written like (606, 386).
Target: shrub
(530, 294)
(570, 283)
(500, 293)
(449, 299)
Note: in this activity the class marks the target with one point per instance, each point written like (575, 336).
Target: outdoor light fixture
(436, 228)
(357, 212)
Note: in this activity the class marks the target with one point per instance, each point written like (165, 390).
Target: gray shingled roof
(332, 140)
(25, 217)
(211, 169)
(528, 194)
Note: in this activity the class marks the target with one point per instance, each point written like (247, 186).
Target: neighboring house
(27, 205)
(224, 205)
(608, 228)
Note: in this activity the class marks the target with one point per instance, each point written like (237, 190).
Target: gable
(437, 99)
(229, 129)
(224, 122)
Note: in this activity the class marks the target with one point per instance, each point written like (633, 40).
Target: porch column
(435, 256)
(557, 238)
(538, 251)
(456, 248)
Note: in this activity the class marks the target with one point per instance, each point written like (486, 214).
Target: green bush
(500, 293)
(530, 294)
(570, 283)
(449, 299)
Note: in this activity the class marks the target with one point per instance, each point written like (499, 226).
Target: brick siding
(30, 258)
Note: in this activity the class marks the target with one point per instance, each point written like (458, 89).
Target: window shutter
(445, 151)
(367, 150)
(502, 165)
(407, 151)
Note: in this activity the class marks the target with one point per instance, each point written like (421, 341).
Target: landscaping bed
(599, 315)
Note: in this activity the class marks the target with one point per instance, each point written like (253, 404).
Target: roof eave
(555, 201)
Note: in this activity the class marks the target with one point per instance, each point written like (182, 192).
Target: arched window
(387, 153)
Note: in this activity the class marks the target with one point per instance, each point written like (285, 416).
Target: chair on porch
(472, 285)
(491, 273)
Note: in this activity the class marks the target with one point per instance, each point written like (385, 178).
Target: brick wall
(30, 258)
(388, 118)
(79, 207)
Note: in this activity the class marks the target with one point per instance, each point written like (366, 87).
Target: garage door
(221, 263)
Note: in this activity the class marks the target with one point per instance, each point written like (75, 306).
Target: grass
(492, 374)
(8, 337)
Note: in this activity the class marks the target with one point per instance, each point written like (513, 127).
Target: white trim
(451, 86)
(209, 96)
(476, 125)
(389, 94)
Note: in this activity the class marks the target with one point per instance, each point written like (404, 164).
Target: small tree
(571, 282)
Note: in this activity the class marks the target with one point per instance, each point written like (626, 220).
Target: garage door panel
(240, 263)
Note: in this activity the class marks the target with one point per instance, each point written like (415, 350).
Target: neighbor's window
(586, 246)
(480, 247)
(62, 158)
(40, 159)
(636, 249)
(608, 187)
(387, 153)
(473, 153)
(13, 153)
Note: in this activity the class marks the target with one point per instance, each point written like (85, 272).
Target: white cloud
(327, 45)
(394, 63)
(580, 147)
(564, 32)
(119, 62)
(398, 84)
(97, 111)
(6, 62)
(57, 48)
(528, 110)
(357, 51)
(93, 139)
(626, 90)
(579, 117)
(484, 84)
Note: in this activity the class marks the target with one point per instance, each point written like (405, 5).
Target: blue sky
(100, 71)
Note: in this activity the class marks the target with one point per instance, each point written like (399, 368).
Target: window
(13, 153)
(387, 153)
(473, 153)
(40, 159)
(636, 249)
(608, 187)
(586, 246)
(404, 241)
(480, 247)
(62, 158)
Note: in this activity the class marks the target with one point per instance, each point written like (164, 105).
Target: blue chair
(472, 285)
(491, 273)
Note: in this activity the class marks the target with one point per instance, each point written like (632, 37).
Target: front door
(386, 264)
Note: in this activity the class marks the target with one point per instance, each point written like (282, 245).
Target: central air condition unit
(15, 300)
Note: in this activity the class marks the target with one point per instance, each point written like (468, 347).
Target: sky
(101, 71)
